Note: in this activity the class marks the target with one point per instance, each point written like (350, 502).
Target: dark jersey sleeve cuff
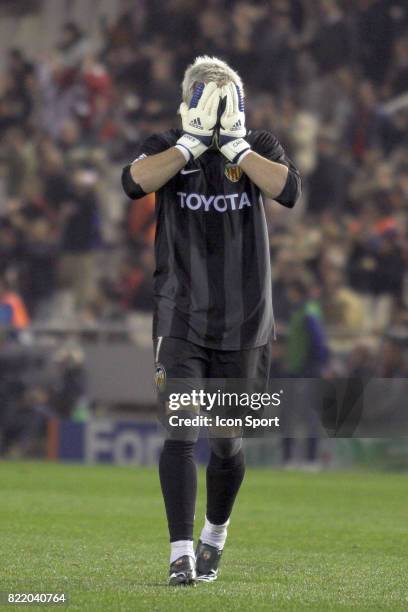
(291, 190)
(132, 189)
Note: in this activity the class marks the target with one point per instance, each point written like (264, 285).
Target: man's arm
(156, 163)
(263, 160)
(268, 166)
(154, 168)
(154, 171)
(269, 176)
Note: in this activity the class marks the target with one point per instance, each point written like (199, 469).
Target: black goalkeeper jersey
(212, 283)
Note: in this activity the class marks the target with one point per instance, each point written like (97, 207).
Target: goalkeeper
(213, 313)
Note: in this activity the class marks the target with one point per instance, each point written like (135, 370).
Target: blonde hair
(206, 69)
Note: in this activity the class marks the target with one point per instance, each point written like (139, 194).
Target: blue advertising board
(110, 441)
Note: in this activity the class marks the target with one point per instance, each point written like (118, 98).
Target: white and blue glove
(232, 131)
(199, 120)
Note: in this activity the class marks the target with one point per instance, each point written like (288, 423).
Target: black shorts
(182, 359)
(182, 367)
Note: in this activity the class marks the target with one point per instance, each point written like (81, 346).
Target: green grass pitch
(331, 541)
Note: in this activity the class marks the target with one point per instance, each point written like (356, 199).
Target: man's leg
(226, 468)
(178, 479)
(179, 359)
(225, 473)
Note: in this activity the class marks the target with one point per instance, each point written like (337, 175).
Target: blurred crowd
(35, 387)
(330, 78)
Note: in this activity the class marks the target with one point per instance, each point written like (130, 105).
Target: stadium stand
(75, 98)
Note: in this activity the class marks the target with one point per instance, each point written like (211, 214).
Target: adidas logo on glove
(237, 125)
(196, 123)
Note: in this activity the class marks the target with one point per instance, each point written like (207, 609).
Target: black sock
(178, 479)
(224, 478)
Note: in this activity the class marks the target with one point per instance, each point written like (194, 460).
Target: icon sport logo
(233, 172)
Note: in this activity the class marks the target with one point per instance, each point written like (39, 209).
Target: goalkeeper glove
(199, 120)
(231, 141)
